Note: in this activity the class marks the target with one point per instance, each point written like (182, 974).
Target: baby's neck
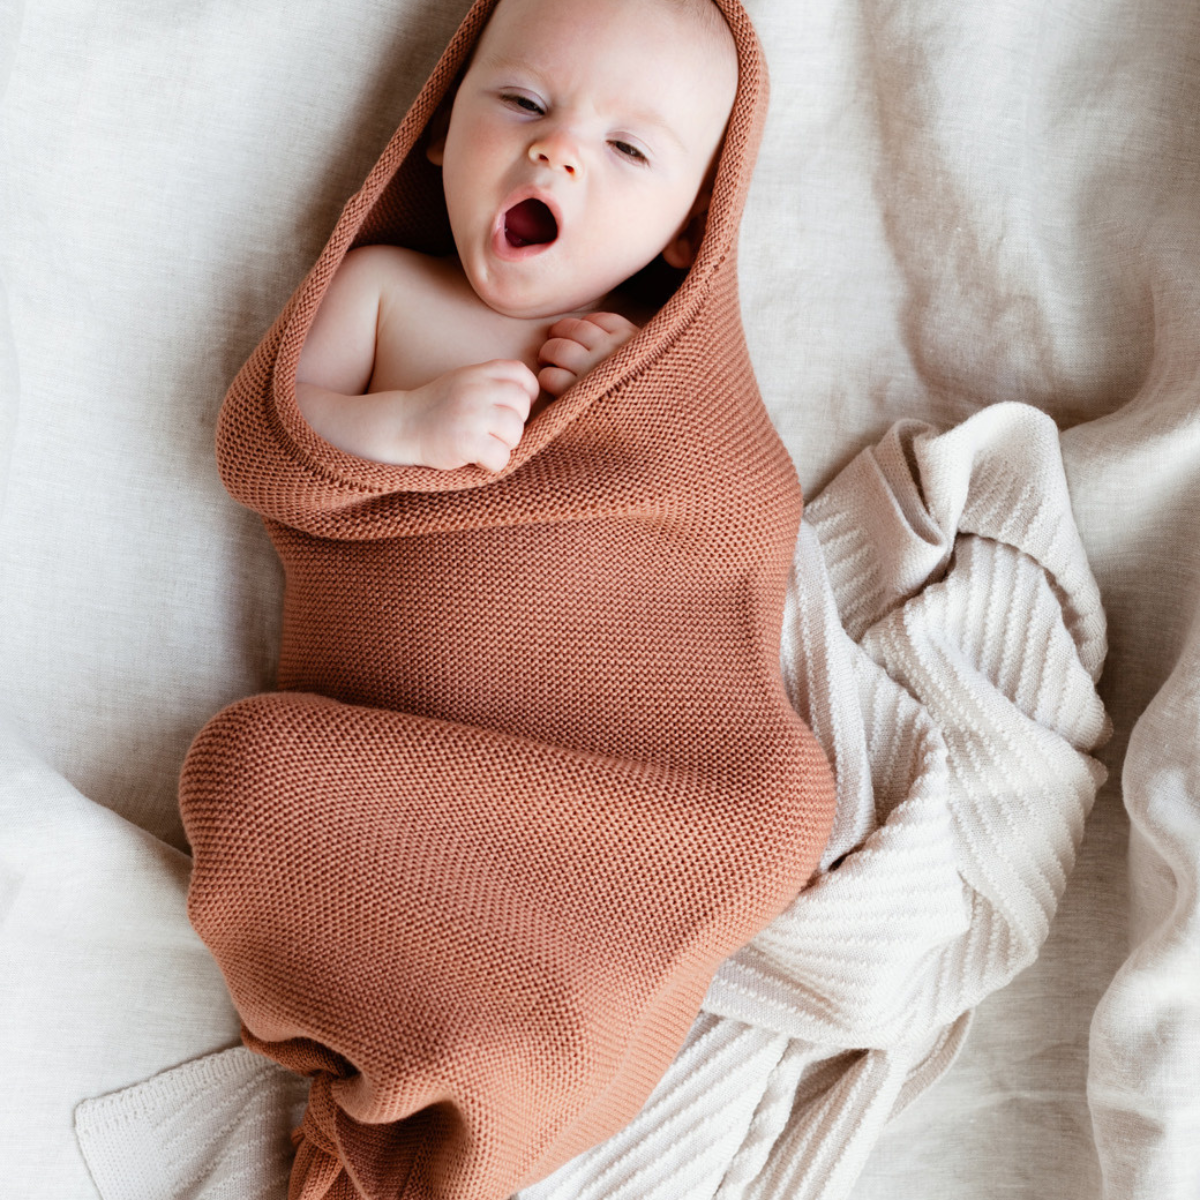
(621, 300)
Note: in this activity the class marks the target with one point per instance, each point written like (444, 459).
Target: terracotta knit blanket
(532, 773)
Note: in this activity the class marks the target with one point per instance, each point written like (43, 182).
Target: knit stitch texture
(531, 773)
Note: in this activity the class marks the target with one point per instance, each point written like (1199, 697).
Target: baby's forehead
(698, 32)
(670, 57)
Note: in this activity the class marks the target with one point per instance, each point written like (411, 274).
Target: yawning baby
(531, 773)
(581, 146)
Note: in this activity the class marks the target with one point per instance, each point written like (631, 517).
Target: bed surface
(956, 204)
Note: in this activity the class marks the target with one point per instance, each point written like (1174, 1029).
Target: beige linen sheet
(957, 203)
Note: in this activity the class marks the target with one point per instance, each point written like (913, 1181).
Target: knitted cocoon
(531, 773)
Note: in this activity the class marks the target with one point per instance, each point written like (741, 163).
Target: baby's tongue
(529, 221)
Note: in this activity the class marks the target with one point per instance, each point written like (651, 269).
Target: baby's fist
(472, 414)
(575, 345)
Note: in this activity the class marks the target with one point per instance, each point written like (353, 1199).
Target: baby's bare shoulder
(366, 281)
(382, 268)
(412, 287)
(374, 309)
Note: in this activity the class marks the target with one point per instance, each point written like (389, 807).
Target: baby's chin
(536, 306)
(548, 312)
(530, 297)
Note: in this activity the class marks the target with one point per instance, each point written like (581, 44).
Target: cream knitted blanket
(942, 637)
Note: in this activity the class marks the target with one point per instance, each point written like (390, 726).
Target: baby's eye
(631, 152)
(522, 102)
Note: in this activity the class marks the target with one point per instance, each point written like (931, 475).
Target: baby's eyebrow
(647, 117)
(657, 122)
(504, 62)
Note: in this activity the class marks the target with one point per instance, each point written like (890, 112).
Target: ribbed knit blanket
(532, 773)
(942, 634)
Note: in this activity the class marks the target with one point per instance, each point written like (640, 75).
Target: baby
(530, 774)
(581, 145)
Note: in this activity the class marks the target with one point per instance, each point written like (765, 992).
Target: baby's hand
(474, 414)
(577, 344)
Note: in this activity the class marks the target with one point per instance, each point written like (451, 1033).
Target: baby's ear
(682, 249)
(439, 125)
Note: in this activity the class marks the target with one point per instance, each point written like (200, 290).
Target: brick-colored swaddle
(531, 774)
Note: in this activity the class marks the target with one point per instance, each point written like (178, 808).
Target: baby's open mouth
(529, 222)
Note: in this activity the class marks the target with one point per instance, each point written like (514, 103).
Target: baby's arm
(474, 414)
(577, 344)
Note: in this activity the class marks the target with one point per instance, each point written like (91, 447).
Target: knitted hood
(531, 773)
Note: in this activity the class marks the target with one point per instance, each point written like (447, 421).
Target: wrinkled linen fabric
(1145, 1107)
(943, 635)
(1143, 1078)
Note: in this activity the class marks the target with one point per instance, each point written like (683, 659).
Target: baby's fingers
(567, 353)
(580, 330)
(556, 380)
(613, 323)
(494, 456)
(506, 425)
(596, 330)
(493, 441)
(575, 345)
(516, 384)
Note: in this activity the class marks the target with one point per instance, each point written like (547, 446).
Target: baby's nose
(556, 151)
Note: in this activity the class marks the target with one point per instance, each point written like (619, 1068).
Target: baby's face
(578, 142)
